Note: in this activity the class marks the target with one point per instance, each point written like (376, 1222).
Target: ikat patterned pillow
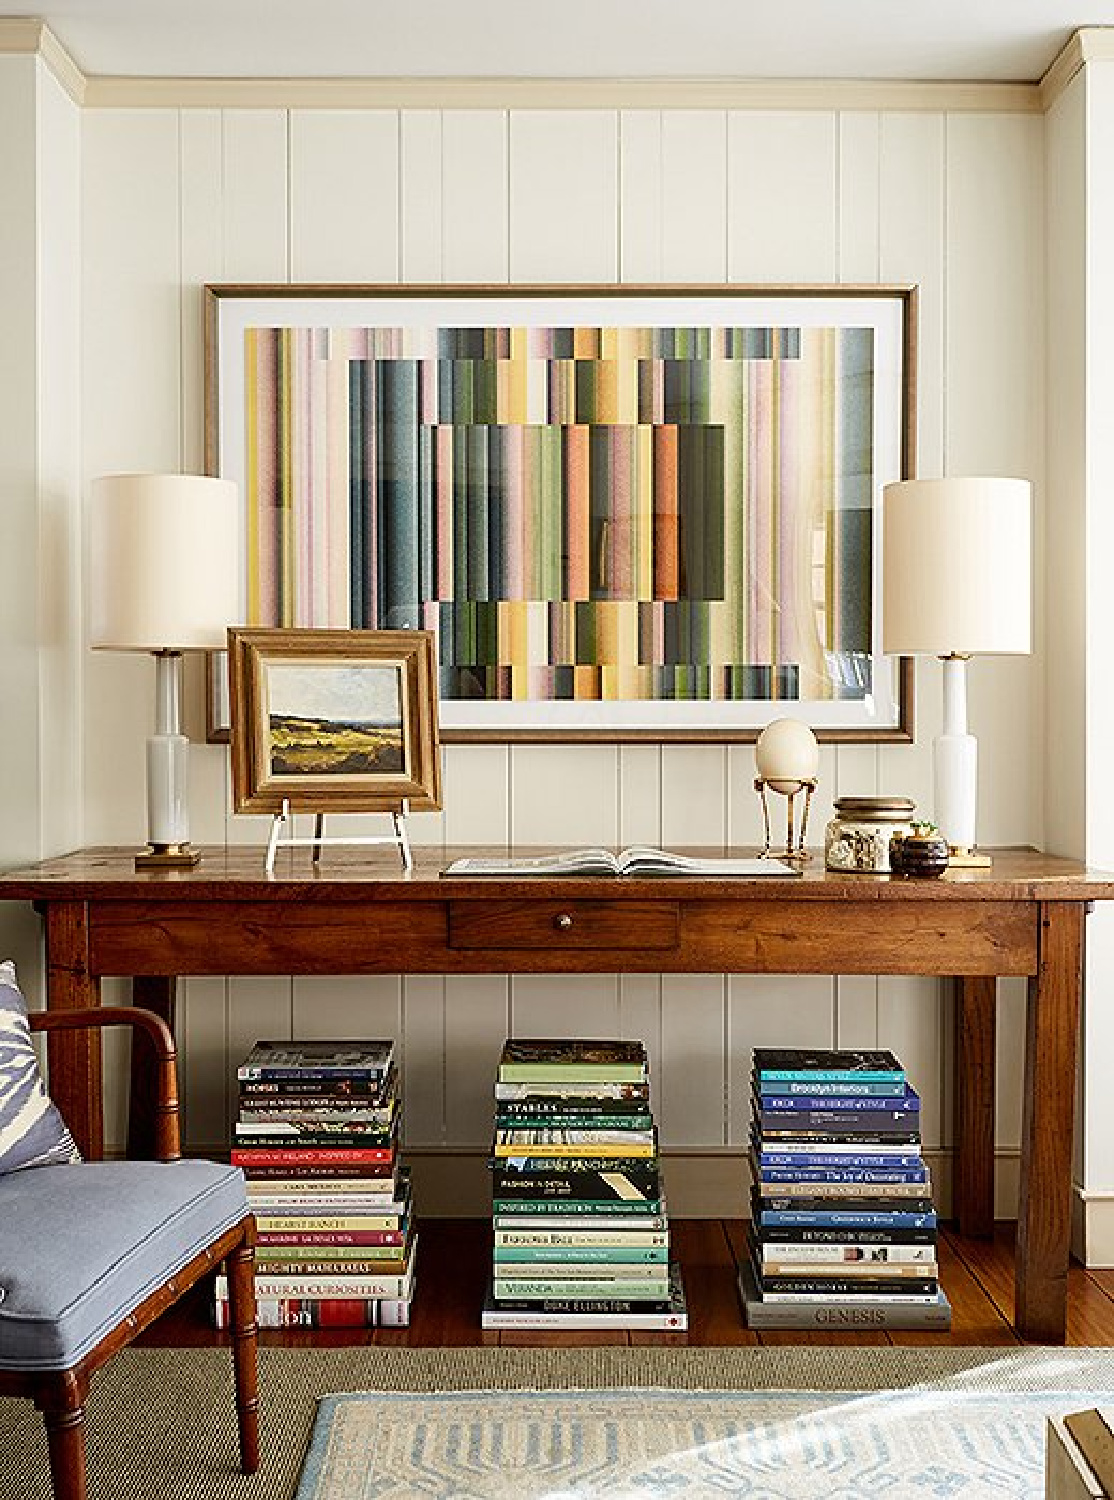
(32, 1132)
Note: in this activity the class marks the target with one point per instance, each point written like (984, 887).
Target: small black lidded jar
(922, 851)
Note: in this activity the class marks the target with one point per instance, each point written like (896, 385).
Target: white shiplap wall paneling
(781, 205)
(260, 1008)
(640, 794)
(202, 261)
(995, 398)
(771, 1010)
(565, 794)
(344, 195)
(565, 1005)
(475, 208)
(422, 1059)
(694, 794)
(130, 396)
(206, 1070)
(911, 1020)
(421, 153)
(477, 1022)
(564, 210)
(858, 148)
(692, 1088)
(476, 783)
(694, 195)
(641, 210)
(639, 1020)
(255, 172)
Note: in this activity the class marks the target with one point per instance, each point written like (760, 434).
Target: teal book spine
(581, 1254)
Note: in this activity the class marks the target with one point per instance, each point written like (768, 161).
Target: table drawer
(563, 924)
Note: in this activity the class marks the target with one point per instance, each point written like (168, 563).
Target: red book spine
(320, 1156)
(333, 1237)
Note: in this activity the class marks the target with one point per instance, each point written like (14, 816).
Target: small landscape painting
(335, 719)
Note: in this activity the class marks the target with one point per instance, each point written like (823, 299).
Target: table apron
(422, 936)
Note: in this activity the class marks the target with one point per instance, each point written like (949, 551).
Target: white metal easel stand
(398, 838)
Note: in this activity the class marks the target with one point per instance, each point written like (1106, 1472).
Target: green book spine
(580, 1254)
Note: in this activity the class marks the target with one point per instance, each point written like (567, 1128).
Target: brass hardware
(563, 922)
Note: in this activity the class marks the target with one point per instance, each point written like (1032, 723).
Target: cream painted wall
(954, 202)
(41, 805)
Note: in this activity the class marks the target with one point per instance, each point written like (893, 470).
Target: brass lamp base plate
(167, 857)
(967, 859)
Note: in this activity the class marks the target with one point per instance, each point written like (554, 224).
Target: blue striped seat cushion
(32, 1132)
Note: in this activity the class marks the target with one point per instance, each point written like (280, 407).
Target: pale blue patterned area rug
(909, 1444)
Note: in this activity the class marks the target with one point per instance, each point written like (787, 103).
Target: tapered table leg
(74, 1056)
(973, 1157)
(1044, 1212)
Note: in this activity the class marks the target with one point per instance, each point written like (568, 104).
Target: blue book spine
(834, 1075)
(835, 1121)
(810, 1219)
(838, 1174)
(888, 1161)
(901, 1104)
(853, 1086)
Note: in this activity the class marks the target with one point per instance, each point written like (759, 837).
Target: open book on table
(637, 860)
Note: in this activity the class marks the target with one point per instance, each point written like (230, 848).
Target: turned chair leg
(63, 1409)
(241, 1299)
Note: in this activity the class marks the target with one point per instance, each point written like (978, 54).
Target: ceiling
(1006, 40)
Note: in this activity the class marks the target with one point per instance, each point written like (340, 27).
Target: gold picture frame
(334, 720)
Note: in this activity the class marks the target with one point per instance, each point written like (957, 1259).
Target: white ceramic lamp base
(957, 770)
(168, 824)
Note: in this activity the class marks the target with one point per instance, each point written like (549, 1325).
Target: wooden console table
(362, 915)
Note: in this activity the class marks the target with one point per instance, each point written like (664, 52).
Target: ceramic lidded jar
(857, 840)
(923, 851)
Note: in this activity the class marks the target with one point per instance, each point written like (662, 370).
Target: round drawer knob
(563, 921)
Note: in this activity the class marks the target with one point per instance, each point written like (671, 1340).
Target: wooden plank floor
(454, 1259)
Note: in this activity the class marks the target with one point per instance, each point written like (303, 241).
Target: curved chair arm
(168, 1145)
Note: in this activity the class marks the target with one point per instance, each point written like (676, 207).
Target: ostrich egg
(786, 754)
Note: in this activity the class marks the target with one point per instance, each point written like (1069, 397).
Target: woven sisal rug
(162, 1427)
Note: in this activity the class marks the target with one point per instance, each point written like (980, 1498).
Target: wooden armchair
(92, 1253)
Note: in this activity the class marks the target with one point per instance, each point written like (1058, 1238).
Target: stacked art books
(843, 1230)
(581, 1233)
(317, 1138)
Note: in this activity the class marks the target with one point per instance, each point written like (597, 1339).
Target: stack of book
(581, 1232)
(843, 1228)
(317, 1138)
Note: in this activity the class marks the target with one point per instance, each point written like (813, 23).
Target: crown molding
(558, 93)
(24, 35)
(1088, 45)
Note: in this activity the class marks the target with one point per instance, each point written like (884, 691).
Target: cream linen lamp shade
(956, 581)
(164, 562)
(956, 577)
(164, 574)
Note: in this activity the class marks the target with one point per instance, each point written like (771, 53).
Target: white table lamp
(164, 568)
(956, 582)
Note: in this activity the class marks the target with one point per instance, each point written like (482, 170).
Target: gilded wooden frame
(333, 720)
(882, 710)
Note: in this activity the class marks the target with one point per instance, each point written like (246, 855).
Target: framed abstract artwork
(333, 720)
(624, 513)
